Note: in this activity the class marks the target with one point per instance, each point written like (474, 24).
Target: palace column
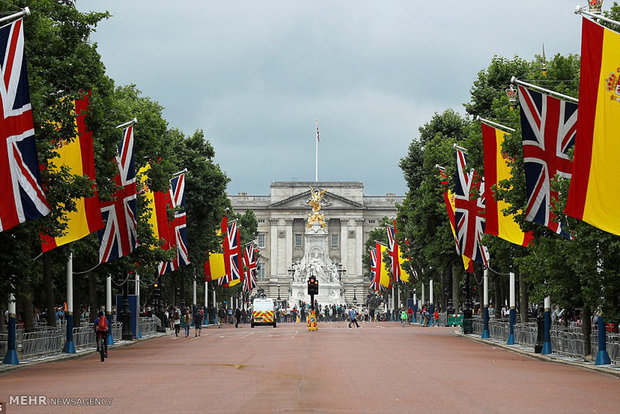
(289, 255)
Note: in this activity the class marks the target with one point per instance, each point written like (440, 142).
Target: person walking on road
(237, 316)
(403, 317)
(222, 315)
(198, 323)
(187, 322)
(436, 317)
(177, 321)
(353, 317)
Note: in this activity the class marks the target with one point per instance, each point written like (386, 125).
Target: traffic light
(313, 286)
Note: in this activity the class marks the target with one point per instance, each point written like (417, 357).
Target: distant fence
(565, 341)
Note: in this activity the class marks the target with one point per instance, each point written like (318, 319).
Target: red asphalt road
(380, 367)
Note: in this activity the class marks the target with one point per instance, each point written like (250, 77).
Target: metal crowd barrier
(565, 341)
(41, 342)
(46, 340)
(84, 337)
(148, 326)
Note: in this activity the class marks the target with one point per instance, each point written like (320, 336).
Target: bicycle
(101, 346)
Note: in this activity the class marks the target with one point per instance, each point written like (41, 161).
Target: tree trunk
(586, 325)
(92, 295)
(50, 314)
(498, 297)
(523, 299)
(25, 299)
(456, 288)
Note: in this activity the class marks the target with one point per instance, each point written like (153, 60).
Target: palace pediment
(330, 201)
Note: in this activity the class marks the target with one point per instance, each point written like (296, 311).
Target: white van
(263, 312)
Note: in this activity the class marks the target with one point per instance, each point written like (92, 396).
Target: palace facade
(350, 215)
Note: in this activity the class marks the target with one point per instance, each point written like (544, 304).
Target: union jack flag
(394, 252)
(469, 212)
(549, 128)
(118, 238)
(374, 283)
(250, 258)
(232, 253)
(178, 226)
(21, 194)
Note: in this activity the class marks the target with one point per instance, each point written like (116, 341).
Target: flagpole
(582, 10)
(124, 124)
(495, 124)
(316, 152)
(25, 12)
(541, 89)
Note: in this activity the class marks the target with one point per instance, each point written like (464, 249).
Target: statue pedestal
(316, 262)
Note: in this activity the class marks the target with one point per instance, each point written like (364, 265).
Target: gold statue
(315, 203)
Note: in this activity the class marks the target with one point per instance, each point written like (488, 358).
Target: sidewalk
(610, 369)
(80, 353)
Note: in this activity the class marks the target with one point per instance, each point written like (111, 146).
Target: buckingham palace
(283, 232)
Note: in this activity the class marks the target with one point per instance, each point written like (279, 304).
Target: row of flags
(380, 270)
(22, 195)
(550, 128)
(233, 266)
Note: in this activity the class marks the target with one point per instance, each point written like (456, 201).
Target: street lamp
(354, 295)
(279, 291)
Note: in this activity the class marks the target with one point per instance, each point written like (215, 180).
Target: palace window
(261, 240)
(334, 240)
(298, 240)
(261, 271)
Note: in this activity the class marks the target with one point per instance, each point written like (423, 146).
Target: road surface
(378, 368)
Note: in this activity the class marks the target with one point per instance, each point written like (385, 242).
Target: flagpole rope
(498, 273)
(86, 271)
(121, 284)
(39, 255)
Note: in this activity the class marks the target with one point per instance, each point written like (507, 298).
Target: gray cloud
(254, 75)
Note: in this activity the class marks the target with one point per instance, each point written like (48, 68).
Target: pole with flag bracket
(458, 147)
(543, 90)
(176, 174)
(495, 124)
(582, 10)
(126, 124)
(24, 12)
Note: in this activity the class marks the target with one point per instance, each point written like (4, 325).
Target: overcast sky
(255, 75)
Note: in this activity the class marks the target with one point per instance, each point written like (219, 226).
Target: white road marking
(245, 336)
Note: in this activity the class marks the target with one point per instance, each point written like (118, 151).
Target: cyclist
(102, 330)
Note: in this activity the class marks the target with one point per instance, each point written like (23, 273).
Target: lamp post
(354, 294)
(279, 285)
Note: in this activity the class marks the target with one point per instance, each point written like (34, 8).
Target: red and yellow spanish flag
(594, 194)
(78, 157)
(158, 203)
(496, 169)
(214, 267)
(384, 277)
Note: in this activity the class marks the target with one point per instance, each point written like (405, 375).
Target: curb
(5, 369)
(583, 365)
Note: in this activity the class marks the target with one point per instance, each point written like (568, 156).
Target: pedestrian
(410, 315)
(221, 314)
(436, 316)
(187, 322)
(177, 322)
(353, 317)
(237, 316)
(198, 323)
(403, 317)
